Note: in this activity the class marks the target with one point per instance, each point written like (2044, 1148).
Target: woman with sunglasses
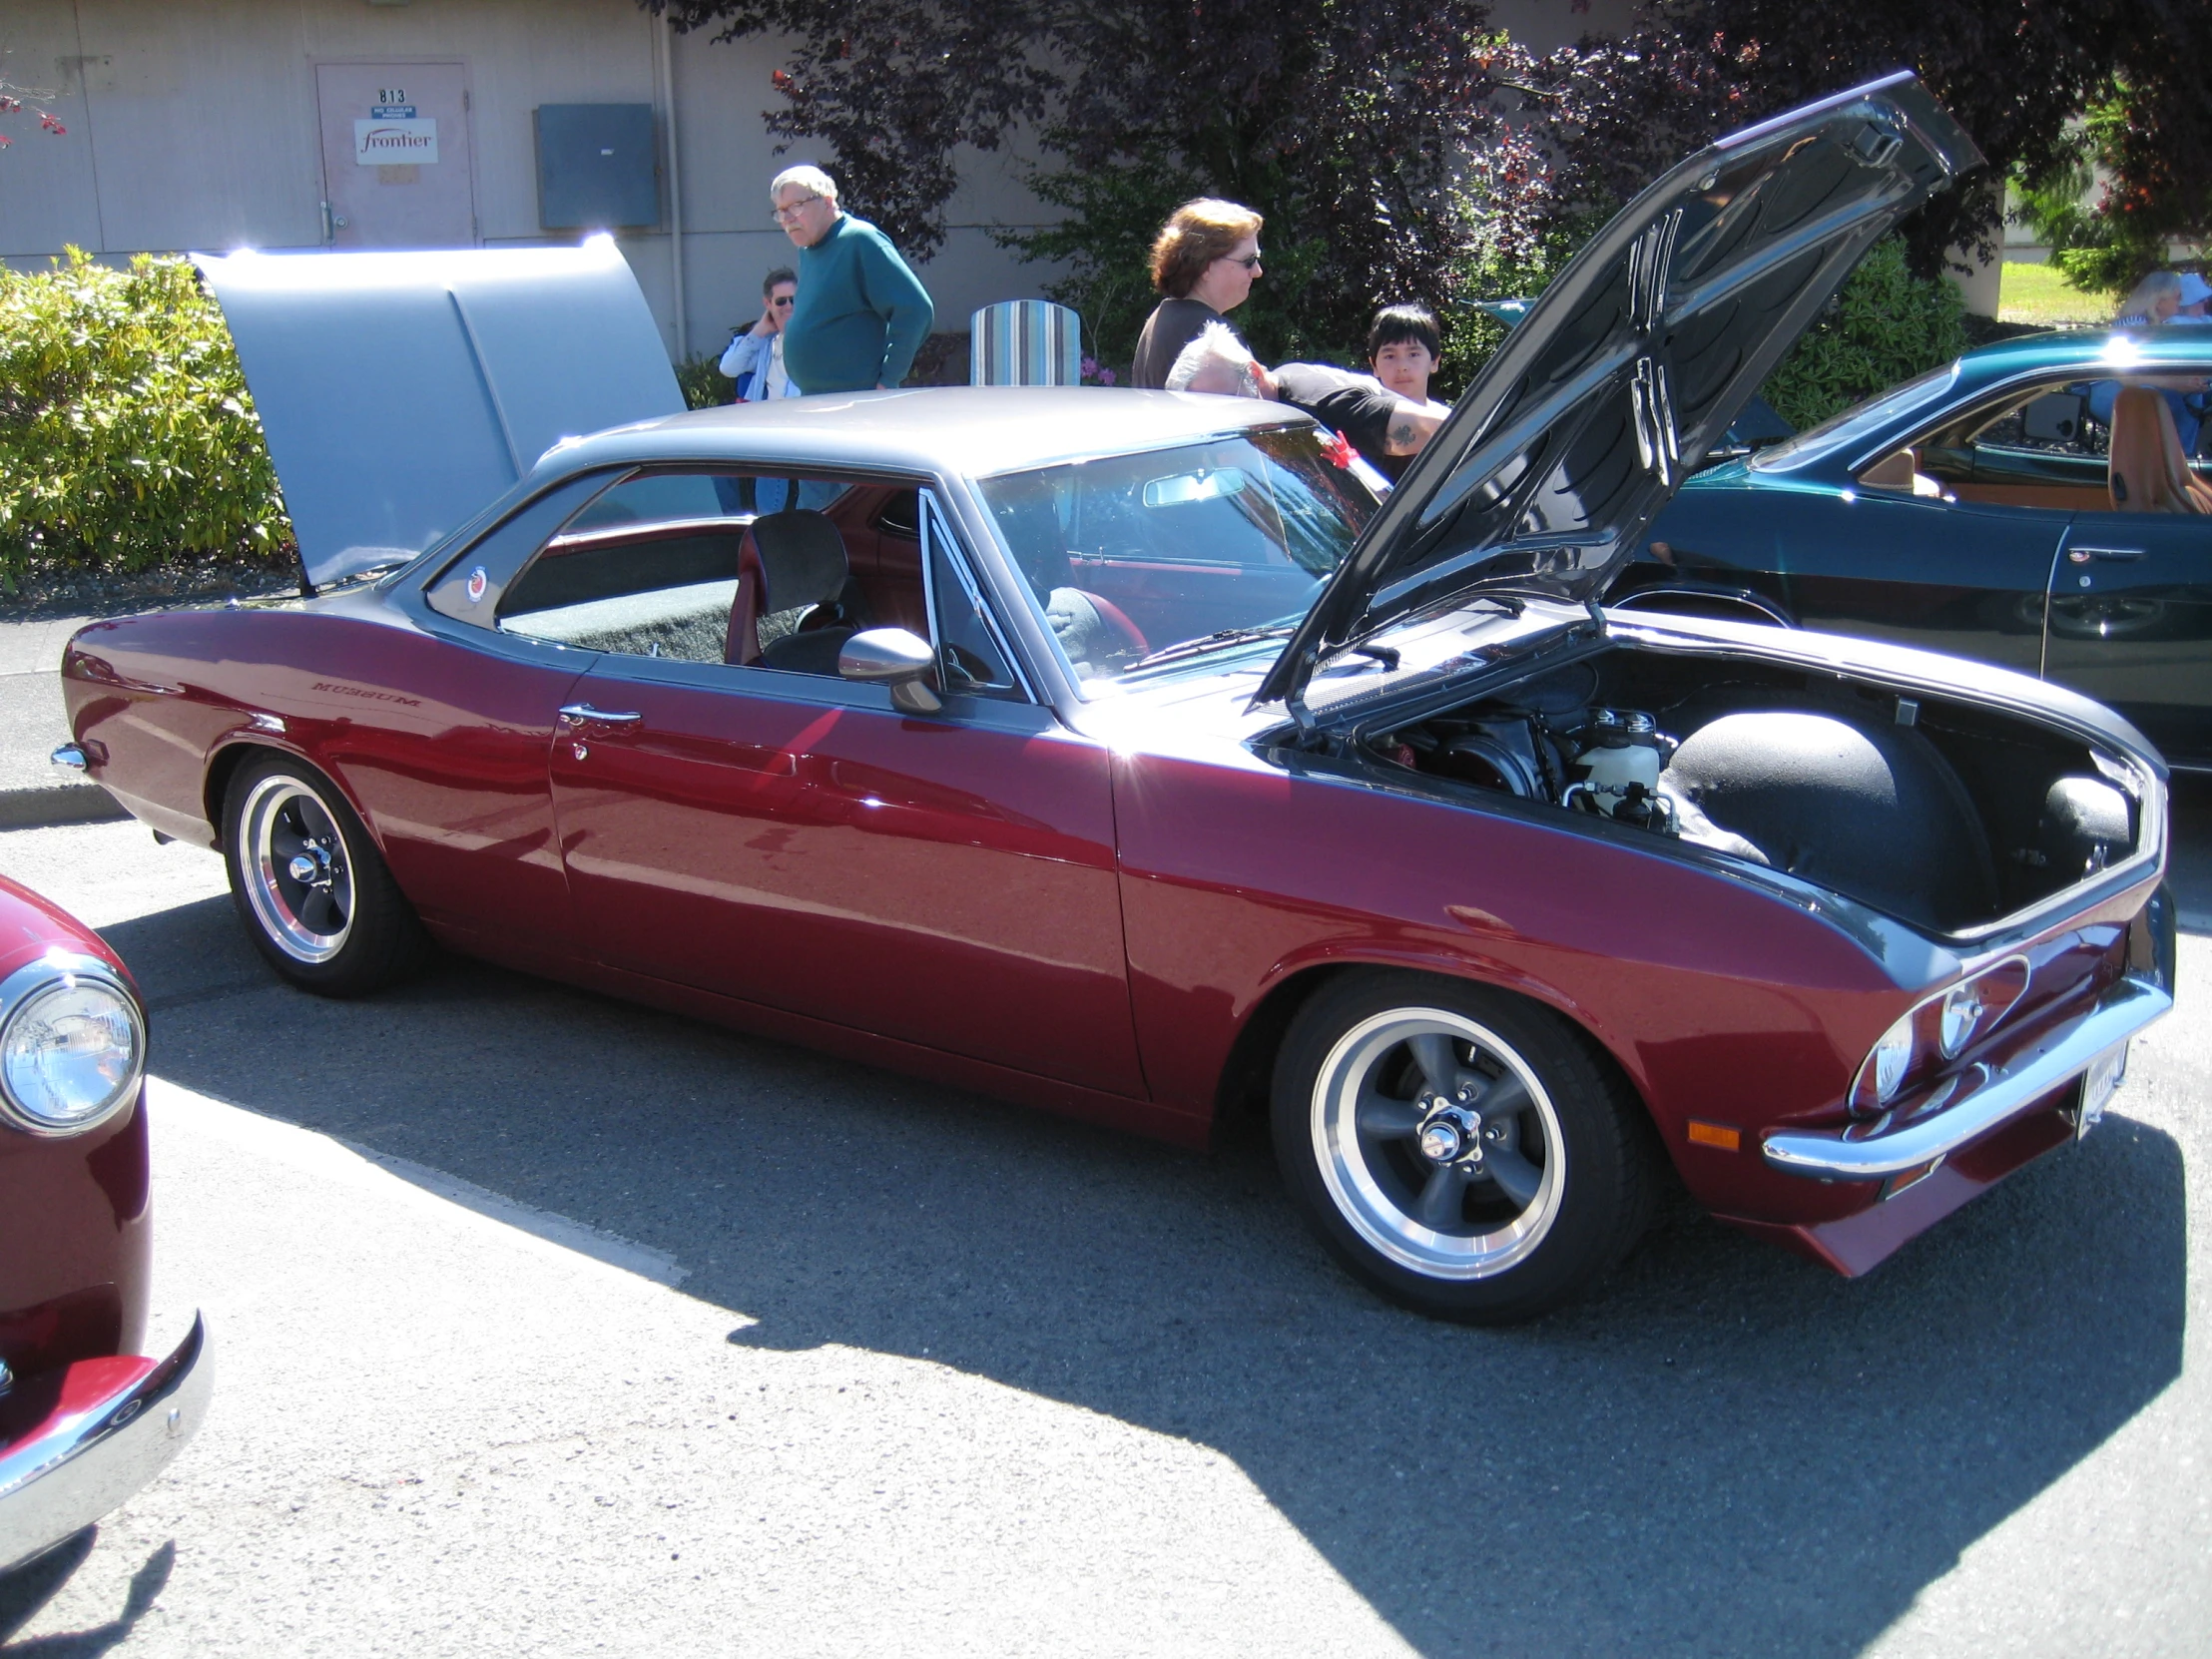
(1203, 262)
(755, 359)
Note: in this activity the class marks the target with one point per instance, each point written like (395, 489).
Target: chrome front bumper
(2121, 1012)
(81, 1463)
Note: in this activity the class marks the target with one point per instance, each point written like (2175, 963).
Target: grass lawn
(2039, 293)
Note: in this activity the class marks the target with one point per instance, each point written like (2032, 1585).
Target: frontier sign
(392, 143)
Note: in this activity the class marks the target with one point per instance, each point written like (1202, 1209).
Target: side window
(649, 569)
(2044, 445)
(472, 587)
(972, 659)
(690, 566)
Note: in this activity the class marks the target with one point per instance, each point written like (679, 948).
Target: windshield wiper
(1212, 642)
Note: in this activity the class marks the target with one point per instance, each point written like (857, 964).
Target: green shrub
(703, 383)
(127, 437)
(1886, 326)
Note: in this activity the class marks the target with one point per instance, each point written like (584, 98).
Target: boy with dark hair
(1404, 348)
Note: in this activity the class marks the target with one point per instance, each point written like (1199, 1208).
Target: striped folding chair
(1026, 343)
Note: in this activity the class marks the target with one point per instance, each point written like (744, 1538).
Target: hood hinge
(1294, 700)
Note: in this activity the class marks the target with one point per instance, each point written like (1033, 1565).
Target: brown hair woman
(1204, 262)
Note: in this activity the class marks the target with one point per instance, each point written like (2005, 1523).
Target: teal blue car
(1977, 510)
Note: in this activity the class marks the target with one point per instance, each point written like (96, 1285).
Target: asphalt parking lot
(550, 1325)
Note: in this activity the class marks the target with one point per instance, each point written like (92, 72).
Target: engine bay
(1944, 814)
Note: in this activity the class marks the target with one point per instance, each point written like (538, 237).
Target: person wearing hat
(2196, 301)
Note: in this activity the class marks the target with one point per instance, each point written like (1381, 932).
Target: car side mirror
(893, 657)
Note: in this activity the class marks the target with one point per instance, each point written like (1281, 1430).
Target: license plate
(2097, 1085)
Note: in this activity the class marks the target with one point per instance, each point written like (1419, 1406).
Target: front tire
(315, 895)
(1464, 1152)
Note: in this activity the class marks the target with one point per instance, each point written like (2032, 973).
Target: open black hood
(1633, 362)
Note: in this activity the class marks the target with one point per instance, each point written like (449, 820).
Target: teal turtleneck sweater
(861, 314)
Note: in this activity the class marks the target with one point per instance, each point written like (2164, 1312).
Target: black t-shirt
(1357, 406)
(1173, 325)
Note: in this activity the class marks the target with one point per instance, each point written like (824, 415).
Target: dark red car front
(86, 1420)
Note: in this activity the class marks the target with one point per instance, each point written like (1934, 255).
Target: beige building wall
(193, 126)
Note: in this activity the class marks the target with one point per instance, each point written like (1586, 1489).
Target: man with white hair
(1384, 427)
(862, 313)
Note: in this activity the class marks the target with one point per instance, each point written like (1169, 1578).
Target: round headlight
(1962, 1008)
(72, 1047)
(1890, 1059)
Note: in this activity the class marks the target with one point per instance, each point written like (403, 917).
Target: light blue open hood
(401, 393)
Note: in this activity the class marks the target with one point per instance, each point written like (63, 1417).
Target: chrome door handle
(2117, 555)
(583, 714)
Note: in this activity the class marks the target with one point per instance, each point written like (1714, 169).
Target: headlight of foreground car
(72, 1045)
(1941, 1026)
(1886, 1066)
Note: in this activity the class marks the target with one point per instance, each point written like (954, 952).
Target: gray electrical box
(598, 167)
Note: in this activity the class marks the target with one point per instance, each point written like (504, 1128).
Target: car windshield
(1136, 561)
(1874, 412)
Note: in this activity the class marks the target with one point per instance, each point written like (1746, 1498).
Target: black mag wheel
(1462, 1151)
(314, 893)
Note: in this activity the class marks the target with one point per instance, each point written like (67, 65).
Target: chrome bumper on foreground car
(2121, 1012)
(89, 1456)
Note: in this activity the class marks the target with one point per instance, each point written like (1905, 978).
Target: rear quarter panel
(441, 750)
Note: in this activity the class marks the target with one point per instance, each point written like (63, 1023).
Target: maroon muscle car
(85, 1420)
(1118, 751)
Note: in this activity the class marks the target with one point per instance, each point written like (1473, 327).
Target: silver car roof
(958, 431)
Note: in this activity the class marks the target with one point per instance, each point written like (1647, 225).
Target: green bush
(703, 383)
(127, 437)
(1886, 326)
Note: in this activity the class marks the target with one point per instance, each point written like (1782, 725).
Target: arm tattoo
(1400, 436)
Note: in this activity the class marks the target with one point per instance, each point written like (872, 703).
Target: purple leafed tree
(2015, 72)
(1350, 123)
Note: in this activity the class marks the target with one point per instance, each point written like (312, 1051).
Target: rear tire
(1464, 1152)
(315, 895)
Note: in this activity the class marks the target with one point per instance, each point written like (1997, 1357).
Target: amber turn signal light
(1715, 1134)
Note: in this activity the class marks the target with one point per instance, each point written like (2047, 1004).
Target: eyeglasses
(783, 299)
(1251, 261)
(791, 211)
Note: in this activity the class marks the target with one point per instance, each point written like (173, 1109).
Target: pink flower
(1105, 376)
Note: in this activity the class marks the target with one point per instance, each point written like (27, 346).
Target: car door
(452, 769)
(793, 839)
(2132, 624)
(1946, 575)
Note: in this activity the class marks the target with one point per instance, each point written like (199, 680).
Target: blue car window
(1843, 431)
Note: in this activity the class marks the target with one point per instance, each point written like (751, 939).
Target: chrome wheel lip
(266, 871)
(1363, 1200)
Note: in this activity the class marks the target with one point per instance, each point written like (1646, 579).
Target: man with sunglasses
(755, 358)
(862, 313)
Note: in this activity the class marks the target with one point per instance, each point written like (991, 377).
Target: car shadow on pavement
(27, 1589)
(1727, 1451)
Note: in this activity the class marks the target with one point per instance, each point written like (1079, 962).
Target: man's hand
(769, 324)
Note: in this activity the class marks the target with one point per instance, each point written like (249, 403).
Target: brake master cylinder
(1622, 754)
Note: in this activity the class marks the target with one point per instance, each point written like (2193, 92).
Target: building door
(395, 155)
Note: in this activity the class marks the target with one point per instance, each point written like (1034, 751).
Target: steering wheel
(1132, 637)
